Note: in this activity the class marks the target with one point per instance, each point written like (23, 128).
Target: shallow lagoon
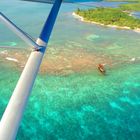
(81, 104)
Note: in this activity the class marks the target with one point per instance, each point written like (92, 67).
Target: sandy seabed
(58, 61)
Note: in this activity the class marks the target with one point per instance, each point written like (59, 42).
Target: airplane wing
(65, 1)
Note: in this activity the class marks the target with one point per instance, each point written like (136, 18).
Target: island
(130, 6)
(119, 17)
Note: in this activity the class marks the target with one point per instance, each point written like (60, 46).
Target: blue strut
(48, 26)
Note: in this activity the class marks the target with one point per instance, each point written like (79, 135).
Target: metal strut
(13, 114)
(24, 36)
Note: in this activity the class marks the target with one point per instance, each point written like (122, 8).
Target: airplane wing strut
(24, 36)
(12, 116)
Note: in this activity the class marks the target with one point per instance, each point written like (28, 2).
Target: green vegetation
(131, 7)
(109, 16)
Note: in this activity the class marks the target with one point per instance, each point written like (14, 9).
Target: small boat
(101, 68)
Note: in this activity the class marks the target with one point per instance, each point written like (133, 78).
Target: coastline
(112, 26)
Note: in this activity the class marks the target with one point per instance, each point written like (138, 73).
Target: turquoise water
(82, 105)
(103, 4)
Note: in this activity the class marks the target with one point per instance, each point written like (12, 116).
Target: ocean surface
(82, 104)
(136, 14)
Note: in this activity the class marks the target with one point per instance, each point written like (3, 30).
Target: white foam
(133, 59)
(11, 59)
(4, 52)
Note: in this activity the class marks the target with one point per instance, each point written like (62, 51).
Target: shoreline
(97, 23)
